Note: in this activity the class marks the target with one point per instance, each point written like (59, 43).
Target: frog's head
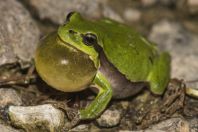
(67, 59)
(80, 34)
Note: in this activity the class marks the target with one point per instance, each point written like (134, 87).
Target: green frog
(103, 54)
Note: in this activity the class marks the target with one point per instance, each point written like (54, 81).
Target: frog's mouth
(68, 44)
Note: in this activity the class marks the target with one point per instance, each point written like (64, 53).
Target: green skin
(67, 63)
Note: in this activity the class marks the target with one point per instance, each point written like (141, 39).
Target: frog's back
(131, 54)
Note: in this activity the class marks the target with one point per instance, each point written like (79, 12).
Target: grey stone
(170, 125)
(37, 118)
(57, 11)
(182, 45)
(9, 96)
(109, 118)
(19, 33)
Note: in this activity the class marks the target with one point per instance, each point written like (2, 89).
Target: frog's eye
(89, 39)
(69, 16)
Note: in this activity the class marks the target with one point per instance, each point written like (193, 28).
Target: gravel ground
(24, 106)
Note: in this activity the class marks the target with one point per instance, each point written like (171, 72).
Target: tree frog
(103, 54)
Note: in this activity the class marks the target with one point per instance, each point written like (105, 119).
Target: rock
(125, 104)
(109, 12)
(170, 125)
(193, 125)
(182, 45)
(57, 11)
(37, 118)
(132, 15)
(193, 6)
(190, 109)
(18, 33)
(193, 2)
(109, 118)
(9, 96)
(5, 128)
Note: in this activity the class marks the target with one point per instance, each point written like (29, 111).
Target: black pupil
(89, 39)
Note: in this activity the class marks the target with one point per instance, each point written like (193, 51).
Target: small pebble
(80, 128)
(132, 15)
(9, 96)
(109, 118)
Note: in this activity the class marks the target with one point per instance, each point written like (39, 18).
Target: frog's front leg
(101, 100)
